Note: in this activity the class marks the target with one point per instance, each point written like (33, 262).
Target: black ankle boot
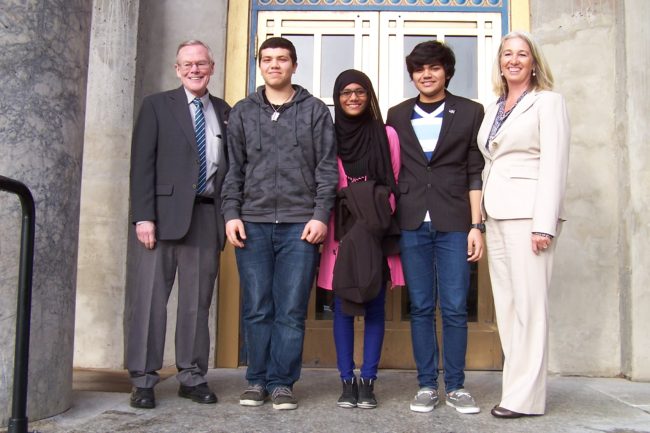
(350, 394)
(367, 398)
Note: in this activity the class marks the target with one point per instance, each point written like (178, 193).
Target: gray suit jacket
(164, 164)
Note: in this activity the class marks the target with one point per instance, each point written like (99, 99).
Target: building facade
(122, 50)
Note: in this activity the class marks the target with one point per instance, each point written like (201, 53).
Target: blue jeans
(276, 270)
(435, 266)
(373, 337)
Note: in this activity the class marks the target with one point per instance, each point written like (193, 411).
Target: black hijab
(363, 136)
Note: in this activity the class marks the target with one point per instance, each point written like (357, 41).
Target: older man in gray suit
(178, 162)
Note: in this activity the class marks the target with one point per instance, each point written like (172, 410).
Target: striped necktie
(199, 130)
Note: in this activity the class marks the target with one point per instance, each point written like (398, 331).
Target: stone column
(104, 218)
(43, 61)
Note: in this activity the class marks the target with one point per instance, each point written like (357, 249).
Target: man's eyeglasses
(347, 93)
(186, 66)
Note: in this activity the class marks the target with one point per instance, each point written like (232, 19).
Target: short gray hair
(192, 42)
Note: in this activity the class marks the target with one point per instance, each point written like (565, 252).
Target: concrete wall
(636, 350)
(166, 23)
(585, 299)
(598, 52)
(133, 53)
(599, 284)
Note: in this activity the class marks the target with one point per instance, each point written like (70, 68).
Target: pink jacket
(330, 246)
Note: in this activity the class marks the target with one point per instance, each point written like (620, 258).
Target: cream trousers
(520, 281)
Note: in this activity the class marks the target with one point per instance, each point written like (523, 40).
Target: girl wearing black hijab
(366, 150)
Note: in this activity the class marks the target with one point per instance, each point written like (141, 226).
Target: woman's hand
(540, 242)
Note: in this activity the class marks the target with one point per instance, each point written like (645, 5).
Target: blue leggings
(373, 338)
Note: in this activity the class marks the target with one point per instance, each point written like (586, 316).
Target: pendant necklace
(276, 113)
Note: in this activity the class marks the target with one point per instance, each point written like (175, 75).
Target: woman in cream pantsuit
(525, 141)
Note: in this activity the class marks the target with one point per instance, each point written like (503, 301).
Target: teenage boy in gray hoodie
(277, 197)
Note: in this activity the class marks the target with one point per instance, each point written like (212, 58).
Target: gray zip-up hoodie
(282, 171)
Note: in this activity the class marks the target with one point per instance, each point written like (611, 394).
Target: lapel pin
(452, 111)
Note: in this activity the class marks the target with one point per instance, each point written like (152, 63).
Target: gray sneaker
(255, 395)
(283, 398)
(462, 401)
(425, 400)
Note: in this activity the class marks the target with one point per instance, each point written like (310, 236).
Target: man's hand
(146, 232)
(314, 232)
(474, 245)
(236, 233)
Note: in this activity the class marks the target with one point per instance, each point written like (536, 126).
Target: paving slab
(575, 405)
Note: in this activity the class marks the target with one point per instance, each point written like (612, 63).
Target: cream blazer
(526, 163)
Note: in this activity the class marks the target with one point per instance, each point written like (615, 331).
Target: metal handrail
(18, 422)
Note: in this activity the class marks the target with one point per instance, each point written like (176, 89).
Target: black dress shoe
(143, 398)
(502, 412)
(198, 394)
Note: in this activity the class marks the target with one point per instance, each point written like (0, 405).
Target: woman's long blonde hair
(543, 78)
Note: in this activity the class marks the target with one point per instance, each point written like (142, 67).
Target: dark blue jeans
(435, 266)
(373, 337)
(277, 270)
